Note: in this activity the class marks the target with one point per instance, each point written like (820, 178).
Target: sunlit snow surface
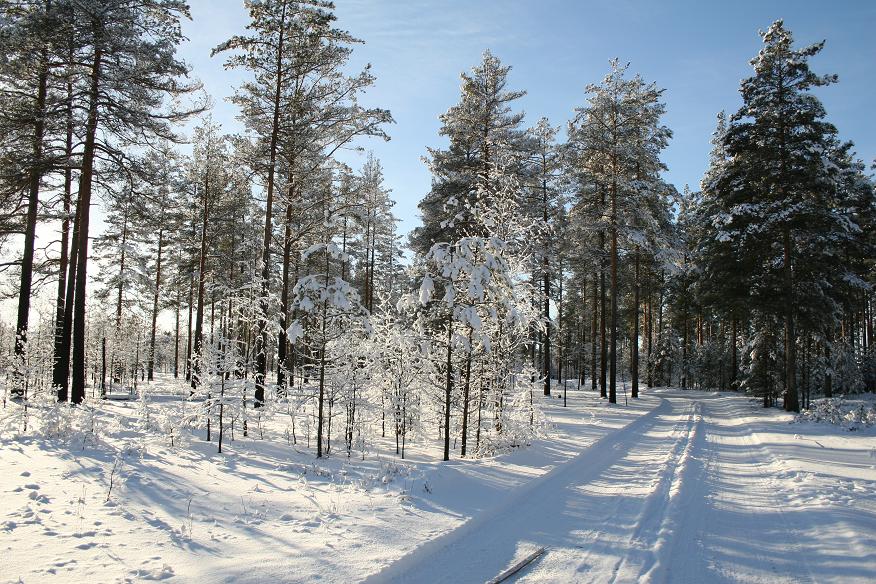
(679, 486)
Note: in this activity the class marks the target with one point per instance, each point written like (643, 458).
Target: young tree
(330, 313)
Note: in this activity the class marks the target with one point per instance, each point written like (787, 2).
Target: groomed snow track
(681, 494)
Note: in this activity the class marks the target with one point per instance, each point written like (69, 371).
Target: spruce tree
(776, 229)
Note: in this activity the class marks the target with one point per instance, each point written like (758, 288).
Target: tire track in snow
(718, 475)
(792, 538)
(489, 537)
(656, 508)
(656, 567)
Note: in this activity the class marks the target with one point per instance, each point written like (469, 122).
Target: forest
(268, 278)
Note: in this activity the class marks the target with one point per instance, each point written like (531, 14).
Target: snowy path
(679, 486)
(690, 492)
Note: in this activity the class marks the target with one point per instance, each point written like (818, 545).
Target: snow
(426, 290)
(679, 486)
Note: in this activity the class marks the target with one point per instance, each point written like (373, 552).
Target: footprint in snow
(35, 496)
(85, 534)
(162, 573)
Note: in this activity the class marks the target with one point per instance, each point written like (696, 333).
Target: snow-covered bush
(842, 411)
(523, 420)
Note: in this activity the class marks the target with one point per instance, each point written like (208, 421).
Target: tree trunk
(86, 177)
(612, 385)
(176, 338)
(546, 346)
(594, 317)
(189, 329)
(734, 367)
(122, 263)
(603, 346)
(791, 401)
(282, 341)
(634, 366)
(649, 326)
(61, 366)
(36, 173)
(262, 337)
(319, 418)
(202, 279)
(828, 378)
(448, 386)
(465, 392)
(155, 295)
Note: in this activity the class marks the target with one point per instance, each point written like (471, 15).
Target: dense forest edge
(269, 279)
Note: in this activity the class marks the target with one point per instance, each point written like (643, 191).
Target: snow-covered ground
(679, 486)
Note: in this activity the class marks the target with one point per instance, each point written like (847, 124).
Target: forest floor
(678, 486)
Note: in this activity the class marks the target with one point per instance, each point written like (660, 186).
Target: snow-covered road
(701, 489)
(678, 486)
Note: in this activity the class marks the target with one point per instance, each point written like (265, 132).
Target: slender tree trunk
(560, 328)
(103, 366)
(546, 346)
(594, 318)
(202, 279)
(734, 367)
(660, 379)
(612, 385)
(262, 337)
(603, 345)
(649, 325)
(791, 401)
(36, 173)
(176, 338)
(634, 373)
(124, 249)
(828, 378)
(371, 266)
(63, 347)
(684, 344)
(189, 329)
(85, 184)
(282, 340)
(321, 402)
(448, 387)
(465, 393)
(61, 367)
(155, 296)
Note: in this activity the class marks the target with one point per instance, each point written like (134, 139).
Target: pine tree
(33, 43)
(481, 128)
(771, 196)
(303, 108)
(545, 203)
(129, 55)
(616, 141)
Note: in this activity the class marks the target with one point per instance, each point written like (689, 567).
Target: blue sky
(697, 50)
